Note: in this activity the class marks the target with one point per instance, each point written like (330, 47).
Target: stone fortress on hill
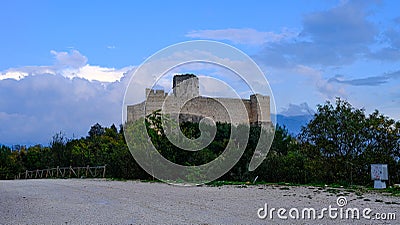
(186, 102)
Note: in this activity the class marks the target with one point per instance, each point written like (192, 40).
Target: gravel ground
(84, 201)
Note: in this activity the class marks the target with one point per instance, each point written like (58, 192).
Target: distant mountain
(294, 116)
(293, 123)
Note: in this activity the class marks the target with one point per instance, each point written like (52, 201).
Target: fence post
(87, 170)
(26, 174)
(104, 171)
(57, 171)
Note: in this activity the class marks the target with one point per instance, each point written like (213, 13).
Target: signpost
(379, 173)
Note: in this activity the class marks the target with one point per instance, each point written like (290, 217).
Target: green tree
(7, 166)
(61, 157)
(341, 141)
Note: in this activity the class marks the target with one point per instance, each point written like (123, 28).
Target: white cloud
(72, 59)
(69, 96)
(335, 37)
(326, 89)
(68, 64)
(242, 36)
(331, 41)
(16, 75)
(96, 73)
(36, 107)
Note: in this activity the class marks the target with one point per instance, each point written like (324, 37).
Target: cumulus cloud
(242, 36)
(72, 59)
(337, 36)
(68, 64)
(390, 49)
(96, 73)
(68, 96)
(326, 89)
(36, 107)
(346, 24)
(329, 40)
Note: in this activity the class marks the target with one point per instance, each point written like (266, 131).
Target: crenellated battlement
(152, 93)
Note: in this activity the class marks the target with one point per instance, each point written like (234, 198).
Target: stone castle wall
(194, 107)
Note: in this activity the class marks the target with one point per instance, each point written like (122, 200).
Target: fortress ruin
(186, 101)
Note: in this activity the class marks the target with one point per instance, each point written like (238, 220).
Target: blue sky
(64, 65)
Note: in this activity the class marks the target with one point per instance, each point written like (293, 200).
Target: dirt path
(76, 201)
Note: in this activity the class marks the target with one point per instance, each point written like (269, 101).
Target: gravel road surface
(85, 201)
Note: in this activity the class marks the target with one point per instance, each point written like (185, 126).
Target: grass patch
(222, 183)
(342, 194)
(116, 179)
(395, 191)
(152, 181)
(332, 191)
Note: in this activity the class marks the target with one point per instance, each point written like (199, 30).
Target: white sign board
(379, 172)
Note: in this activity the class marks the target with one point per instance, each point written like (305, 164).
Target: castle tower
(185, 86)
(259, 109)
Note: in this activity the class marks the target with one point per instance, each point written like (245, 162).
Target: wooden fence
(64, 172)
